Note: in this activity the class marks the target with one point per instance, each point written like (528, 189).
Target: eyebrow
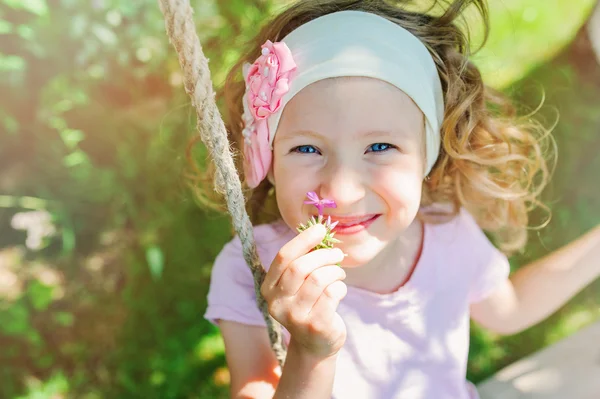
(311, 133)
(296, 133)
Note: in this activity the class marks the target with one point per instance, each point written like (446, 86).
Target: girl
(375, 107)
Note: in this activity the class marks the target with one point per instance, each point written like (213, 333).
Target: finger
(299, 270)
(295, 248)
(323, 313)
(315, 285)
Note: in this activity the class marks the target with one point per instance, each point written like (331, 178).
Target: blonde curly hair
(492, 162)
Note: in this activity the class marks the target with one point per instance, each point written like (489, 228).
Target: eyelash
(297, 149)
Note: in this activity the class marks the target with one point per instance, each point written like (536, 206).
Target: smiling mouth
(352, 221)
(352, 226)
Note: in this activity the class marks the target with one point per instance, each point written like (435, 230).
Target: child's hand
(303, 290)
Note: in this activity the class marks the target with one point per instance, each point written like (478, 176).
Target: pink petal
(284, 55)
(273, 73)
(259, 102)
(329, 203)
(255, 84)
(312, 196)
(268, 44)
(263, 112)
(279, 91)
(274, 106)
(251, 72)
(265, 87)
(262, 132)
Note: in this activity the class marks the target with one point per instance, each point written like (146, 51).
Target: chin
(359, 255)
(363, 247)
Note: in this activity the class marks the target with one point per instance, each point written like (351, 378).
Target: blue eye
(380, 147)
(305, 149)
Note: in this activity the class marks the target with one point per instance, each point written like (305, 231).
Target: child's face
(360, 142)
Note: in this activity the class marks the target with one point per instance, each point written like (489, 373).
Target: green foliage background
(94, 125)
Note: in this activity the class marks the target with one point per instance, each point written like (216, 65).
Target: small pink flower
(319, 203)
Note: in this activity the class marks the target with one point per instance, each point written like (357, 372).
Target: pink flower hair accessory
(267, 81)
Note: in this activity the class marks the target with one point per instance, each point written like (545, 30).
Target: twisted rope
(198, 85)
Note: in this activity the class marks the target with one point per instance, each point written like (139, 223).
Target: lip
(352, 219)
(349, 219)
(363, 223)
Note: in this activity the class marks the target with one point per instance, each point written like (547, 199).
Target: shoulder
(468, 255)
(266, 236)
(461, 236)
(231, 294)
(269, 238)
(460, 228)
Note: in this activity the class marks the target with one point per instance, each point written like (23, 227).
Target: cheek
(400, 188)
(290, 190)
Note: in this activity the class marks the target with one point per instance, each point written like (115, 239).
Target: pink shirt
(409, 344)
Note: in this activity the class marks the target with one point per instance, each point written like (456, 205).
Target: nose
(343, 184)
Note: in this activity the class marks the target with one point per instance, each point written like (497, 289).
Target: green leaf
(78, 26)
(44, 361)
(155, 259)
(10, 63)
(40, 295)
(63, 105)
(157, 378)
(15, 320)
(34, 338)
(64, 319)
(37, 7)
(5, 27)
(26, 32)
(104, 34)
(56, 387)
(75, 158)
(11, 125)
(210, 346)
(71, 137)
(57, 123)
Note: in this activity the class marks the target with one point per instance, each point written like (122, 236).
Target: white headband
(355, 43)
